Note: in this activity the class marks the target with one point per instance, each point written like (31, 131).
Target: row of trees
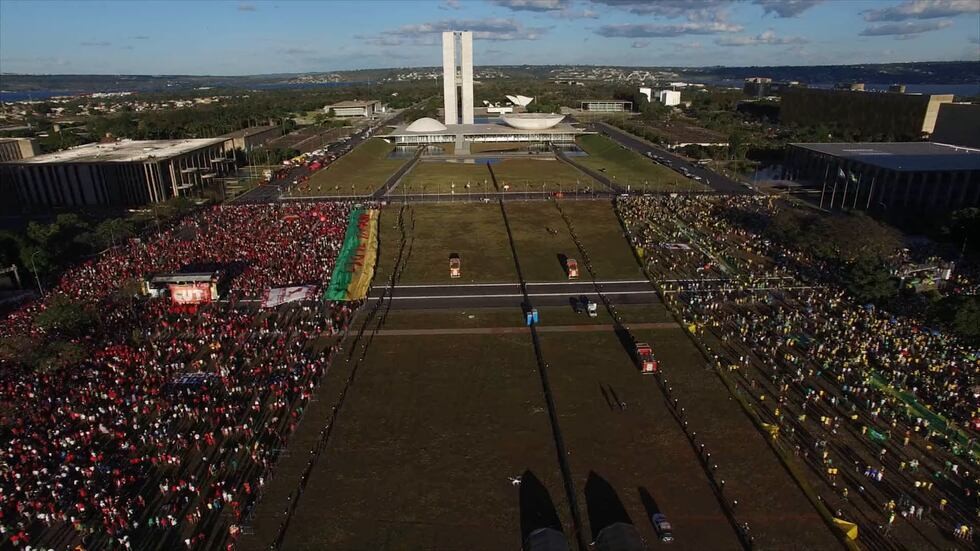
(47, 248)
(859, 251)
(857, 248)
(236, 110)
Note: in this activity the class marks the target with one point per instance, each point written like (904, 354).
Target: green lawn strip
(360, 172)
(429, 177)
(542, 240)
(475, 232)
(628, 167)
(539, 174)
(602, 236)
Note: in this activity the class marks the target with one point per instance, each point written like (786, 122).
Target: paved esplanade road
(486, 295)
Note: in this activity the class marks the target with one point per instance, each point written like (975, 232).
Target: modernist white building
(523, 127)
(126, 173)
(669, 97)
(457, 79)
(607, 105)
(458, 126)
(355, 108)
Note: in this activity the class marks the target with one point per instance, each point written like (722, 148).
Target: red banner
(190, 293)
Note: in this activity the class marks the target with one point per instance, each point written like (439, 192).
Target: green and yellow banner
(357, 258)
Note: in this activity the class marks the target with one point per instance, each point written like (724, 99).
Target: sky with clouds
(282, 36)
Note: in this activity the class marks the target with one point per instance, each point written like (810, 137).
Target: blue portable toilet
(534, 315)
(530, 319)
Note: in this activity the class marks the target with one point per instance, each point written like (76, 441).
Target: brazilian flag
(877, 436)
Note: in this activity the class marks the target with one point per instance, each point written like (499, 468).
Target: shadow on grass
(604, 506)
(537, 508)
(649, 504)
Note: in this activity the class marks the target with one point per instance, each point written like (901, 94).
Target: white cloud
(923, 9)
(427, 34)
(533, 5)
(905, 28)
(297, 51)
(692, 10)
(654, 30)
(767, 38)
(707, 10)
(786, 8)
(563, 9)
(578, 14)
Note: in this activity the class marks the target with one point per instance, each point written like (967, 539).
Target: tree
(963, 225)
(113, 231)
(10, 246)
(52, 246)
(737, 145)
(869, 281)
(67, 317)
(966, 321)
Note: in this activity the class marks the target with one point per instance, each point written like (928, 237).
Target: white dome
(532, 121)
(426, 124)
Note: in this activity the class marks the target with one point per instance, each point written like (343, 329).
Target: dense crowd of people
(854, 389)
(169, 428)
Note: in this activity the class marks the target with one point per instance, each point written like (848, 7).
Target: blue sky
(281, 36)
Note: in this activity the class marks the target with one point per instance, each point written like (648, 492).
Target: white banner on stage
(282, 295)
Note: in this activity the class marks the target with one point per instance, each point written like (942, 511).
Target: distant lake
(301, 85)
(955, 89)
(35, 95)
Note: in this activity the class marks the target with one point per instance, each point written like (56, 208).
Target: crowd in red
(167, 432)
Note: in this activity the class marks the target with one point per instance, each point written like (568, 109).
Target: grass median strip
(629, 168)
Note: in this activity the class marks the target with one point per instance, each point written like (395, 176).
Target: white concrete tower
(457, 78)
(449, 77)
(466, 74)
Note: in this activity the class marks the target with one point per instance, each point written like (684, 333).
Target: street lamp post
(36, 276)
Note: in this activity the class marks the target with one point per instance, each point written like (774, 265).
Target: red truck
(644, 355)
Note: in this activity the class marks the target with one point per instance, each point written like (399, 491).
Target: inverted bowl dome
(532, 121)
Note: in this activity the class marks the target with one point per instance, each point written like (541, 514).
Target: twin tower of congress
(457, 76)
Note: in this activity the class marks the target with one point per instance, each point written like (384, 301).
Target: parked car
(663, 528)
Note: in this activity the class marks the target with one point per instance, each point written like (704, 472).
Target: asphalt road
(490, 295)
(718, 182)
(271, 192)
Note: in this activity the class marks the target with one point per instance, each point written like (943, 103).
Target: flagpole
(824, 190)
(833, 194)
(871, 192)
(858, 190)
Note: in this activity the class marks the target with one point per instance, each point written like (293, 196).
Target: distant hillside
(954, 72)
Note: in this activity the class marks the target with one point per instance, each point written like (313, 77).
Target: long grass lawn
(512, 175)
(360, 172)
(540, 174)
(628, 167)
(474, 231)
(439, 176)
